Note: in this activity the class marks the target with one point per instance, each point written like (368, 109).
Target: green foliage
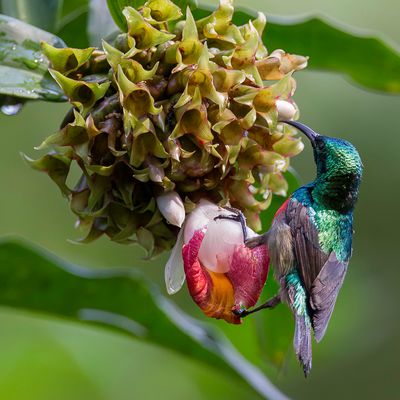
(76, 22)
(368, 61)
(23, 67)
(73, 19)
(120, 299)
(41, 13)
(72, 8)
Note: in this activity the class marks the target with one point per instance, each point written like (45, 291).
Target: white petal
(250, 233)
(204, 212)
(174, 272)
(219, 243)
(171, 207)
(286, 110)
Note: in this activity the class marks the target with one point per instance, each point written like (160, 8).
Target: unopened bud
(171, 207)
(286, 110)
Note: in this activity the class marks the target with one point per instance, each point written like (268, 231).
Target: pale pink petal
(204, 212)
(220, 240)
(201, 216)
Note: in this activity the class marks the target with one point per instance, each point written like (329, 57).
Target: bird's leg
(271, 303)
(238, 217)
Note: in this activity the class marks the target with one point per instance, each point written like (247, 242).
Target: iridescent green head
(339, 170)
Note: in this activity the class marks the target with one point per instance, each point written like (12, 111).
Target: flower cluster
(172, 109)
(166, 115)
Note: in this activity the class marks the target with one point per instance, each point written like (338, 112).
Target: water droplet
(11, 109)
(31, 64)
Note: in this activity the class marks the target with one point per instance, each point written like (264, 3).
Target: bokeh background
(43, 358)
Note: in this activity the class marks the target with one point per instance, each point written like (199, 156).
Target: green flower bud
(66, 60)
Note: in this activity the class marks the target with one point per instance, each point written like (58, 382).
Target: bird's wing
(321, 273)
(324, 291)
(308, 253)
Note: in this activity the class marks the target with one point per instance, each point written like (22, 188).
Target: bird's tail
(297, 299)
(302, 341)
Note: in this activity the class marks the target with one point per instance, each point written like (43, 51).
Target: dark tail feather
(302, 342)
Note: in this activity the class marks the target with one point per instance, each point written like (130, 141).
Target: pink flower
(223, 275)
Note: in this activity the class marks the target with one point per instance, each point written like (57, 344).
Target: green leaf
(368, 61)
(71, 8)
(118, 298)
(72, 25)
(23, 67)
(40, 13)
(90, 18)
(76, 22)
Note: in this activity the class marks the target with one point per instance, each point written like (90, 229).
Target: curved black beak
(305, 129)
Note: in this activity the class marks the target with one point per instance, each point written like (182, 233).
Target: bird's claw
(241, 312)
(237, 216)
(254, 242)
(233, 217)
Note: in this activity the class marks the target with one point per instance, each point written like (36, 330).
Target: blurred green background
(42, 358)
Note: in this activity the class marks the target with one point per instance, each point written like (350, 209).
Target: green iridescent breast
(335, 229)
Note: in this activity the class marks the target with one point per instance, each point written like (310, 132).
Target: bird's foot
(237, 216)
(255, 241)
(271, 303)
(241, 313)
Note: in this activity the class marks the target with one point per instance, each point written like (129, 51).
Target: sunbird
(310, 240)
